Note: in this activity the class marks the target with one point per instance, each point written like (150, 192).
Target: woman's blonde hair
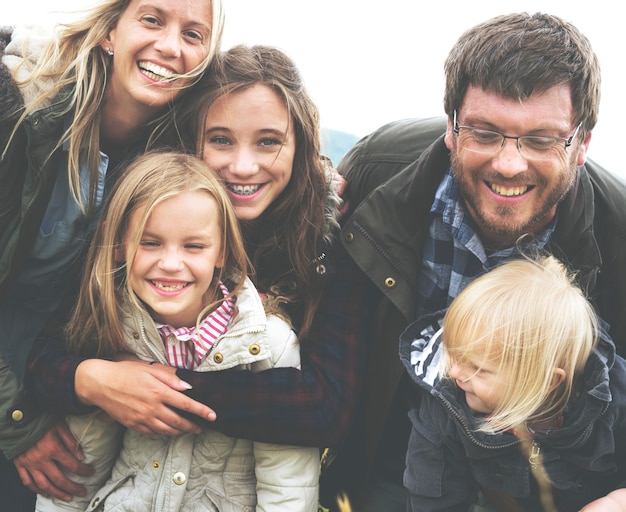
(528, 317)
(73, 58)
(95, 327)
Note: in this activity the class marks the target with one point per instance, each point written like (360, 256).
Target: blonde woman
(525, 398)
(78, 105)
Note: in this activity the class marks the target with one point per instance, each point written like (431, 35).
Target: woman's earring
(109, 52)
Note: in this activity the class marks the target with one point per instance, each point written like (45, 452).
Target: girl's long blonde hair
(73, 59)
(95, 327)
(529, 318)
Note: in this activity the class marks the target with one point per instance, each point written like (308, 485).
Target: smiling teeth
(509, 191)
(169, 287)
(156, 72)
(243, 190)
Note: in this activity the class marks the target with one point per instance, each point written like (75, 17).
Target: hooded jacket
(448, 459)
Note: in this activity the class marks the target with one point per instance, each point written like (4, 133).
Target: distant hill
(335, 144)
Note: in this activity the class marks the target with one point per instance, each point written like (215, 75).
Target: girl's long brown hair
(283, 242)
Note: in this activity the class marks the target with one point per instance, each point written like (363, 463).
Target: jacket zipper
(157, 355)
(376, 246)
(468, 430)
(534, 458)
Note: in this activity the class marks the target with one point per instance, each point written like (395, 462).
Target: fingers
(190, 406)
(67, 439)
(41, 466)
(50, 481)
(168, 421)
(140, 396)
(69, 455)
(167, 375)
(340, 182)
(172, 425)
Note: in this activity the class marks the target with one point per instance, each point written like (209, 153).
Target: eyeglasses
(531, 147)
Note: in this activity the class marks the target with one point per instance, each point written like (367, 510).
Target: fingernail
(186, 385)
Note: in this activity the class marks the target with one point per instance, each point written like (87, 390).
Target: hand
(139, 395)
(613, 502)
(40, 467)
(340, 186)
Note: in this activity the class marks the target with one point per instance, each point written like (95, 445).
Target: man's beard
(503, 227)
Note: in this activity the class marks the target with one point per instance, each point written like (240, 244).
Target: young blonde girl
(156, 258)
(521, 396)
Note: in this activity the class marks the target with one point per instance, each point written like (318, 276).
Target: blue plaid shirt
(453, 254)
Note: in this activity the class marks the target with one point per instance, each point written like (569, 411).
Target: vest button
(218, 358)
(254, 349)
(17, 415)
(349, 237)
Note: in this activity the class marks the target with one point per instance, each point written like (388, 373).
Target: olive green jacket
(27, 176)
(393, 175)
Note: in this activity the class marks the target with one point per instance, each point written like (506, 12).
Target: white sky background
(367, 63)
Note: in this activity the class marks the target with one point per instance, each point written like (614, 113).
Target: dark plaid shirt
(453, 254)
(310, 407)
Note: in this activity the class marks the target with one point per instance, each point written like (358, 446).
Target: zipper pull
(535, 456)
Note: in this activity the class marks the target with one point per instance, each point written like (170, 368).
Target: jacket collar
(574, 240)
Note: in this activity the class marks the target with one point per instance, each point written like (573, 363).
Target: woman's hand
(139, 395)
(340, 183)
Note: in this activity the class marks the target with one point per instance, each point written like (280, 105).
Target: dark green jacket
(393, 175)
(27, 176)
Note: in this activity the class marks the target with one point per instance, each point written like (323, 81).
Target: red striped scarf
(187, 347)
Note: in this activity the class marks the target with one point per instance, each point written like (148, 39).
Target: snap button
(254, 349)
(17, 415)
(390, 282)
(156, 464)
(179, 478)
(218, 358)
(95, 503)
(321, 269)
(349, 237)
(136, 335)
